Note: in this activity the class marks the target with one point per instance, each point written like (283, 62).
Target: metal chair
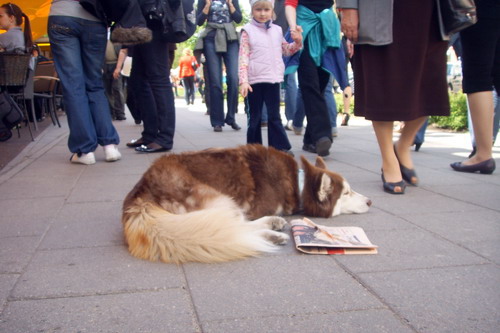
(45, 86)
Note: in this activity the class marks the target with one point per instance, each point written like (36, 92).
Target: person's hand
(206, 9)
(230, 6)
(350, 23)
(244, 89)
(296, 34)
(350, 48)
(116, 73)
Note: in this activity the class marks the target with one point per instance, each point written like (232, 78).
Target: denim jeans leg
(231, 62)
(214, 66)
(78, 49)
(330, 102)
(290, 96)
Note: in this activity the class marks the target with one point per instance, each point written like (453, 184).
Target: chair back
(14, 68)
(45, 69)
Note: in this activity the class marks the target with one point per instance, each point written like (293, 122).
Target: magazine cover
(313, 238)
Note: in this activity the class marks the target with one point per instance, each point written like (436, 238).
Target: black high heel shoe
(485, 167)
(409, 175)
(345, 119)
(391, 187)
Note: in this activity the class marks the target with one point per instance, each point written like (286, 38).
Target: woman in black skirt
(399, 68)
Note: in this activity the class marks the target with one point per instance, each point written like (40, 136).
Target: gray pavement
(64, 266)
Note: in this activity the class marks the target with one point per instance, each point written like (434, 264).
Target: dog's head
(327, 193)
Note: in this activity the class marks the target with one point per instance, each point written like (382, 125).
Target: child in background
(261, 70)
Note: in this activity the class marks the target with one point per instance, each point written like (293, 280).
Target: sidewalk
(64, 266)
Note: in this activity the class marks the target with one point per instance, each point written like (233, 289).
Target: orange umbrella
(38, 13)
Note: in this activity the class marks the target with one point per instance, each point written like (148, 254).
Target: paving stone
(372, 320)
(16, 252)
(93, 271)
(452, 299)
(278, 286)
(86, 225)
(150, 311)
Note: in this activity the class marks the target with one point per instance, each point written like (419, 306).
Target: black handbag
(457, 15)
(10, 113)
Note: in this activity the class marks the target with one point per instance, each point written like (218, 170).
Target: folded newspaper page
(313, 238)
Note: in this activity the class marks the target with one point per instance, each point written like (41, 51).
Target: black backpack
(176, 19)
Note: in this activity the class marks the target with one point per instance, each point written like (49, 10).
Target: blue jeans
(298, 118)
(78, 48)
(214, 65)
(290, 95)
(155, 95)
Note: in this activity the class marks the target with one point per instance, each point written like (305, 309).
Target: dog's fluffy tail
(211, 235)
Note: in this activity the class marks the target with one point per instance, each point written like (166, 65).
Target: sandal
(391, 187)
(409, 175)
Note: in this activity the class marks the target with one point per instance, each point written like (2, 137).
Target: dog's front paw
(278, 238)
(277, 223)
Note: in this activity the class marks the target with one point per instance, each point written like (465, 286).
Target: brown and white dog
(197, 206)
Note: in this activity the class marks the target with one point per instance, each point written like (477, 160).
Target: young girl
(261, 70)
(14, 40)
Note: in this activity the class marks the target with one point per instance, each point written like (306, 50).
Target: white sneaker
(83, 159)
(112, 153)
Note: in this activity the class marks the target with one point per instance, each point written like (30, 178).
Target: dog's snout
(369, 202)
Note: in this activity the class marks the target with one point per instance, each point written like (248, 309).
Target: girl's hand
(245, 88)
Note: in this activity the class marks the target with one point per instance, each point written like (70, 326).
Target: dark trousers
(188, 83)
(312, 83)
(114, 91)
(154, 95)
(268, 93)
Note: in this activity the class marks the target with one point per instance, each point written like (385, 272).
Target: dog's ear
(326, 187)
(320, 163)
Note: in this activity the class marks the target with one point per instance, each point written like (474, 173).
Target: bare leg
(481, 111)
(347, 93)
(390, 164)
(406, 141)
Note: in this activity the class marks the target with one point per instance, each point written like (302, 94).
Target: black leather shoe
(217, 128)
(151, 148)
(485, 167)
(391, 187)
(137, 143)
(323, 146)
(235, 126)
(309, 147)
